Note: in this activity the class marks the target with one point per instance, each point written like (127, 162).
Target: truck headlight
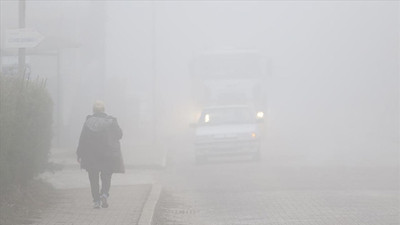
(207, 118)
(260, 115)
(248, 136)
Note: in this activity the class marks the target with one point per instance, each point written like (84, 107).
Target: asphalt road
(238, 191)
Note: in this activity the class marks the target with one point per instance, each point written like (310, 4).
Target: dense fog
(325, 74)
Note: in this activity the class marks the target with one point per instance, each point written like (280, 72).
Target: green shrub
(25, 130)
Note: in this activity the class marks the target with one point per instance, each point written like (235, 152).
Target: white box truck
(229, 98)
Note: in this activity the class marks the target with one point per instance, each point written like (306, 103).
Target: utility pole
(154, 71)
(21, 51)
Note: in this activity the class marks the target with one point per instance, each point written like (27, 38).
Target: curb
(146, 217)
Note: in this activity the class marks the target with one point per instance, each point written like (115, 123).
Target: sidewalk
(132, 200)
(74, 207)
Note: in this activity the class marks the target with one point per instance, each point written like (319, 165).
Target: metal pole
(1, 62)
(21, 51)
(59, 100)
(154, 65)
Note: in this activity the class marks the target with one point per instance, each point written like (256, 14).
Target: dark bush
(25, 131)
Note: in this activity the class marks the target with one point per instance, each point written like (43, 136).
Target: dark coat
(99, 148)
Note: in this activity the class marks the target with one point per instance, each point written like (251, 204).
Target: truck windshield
(227, 116)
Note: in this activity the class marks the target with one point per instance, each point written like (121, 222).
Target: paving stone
(74, 206)
(280, 207)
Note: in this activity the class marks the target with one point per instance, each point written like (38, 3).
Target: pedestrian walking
(99, 152)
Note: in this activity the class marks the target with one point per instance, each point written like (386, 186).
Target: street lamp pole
(154, 86)
(21, 51)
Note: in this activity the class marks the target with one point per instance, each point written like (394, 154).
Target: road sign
(23, 38)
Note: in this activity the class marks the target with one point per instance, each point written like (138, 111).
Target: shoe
(103, 199)
(96, 205)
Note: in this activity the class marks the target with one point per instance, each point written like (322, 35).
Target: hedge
(25, 130)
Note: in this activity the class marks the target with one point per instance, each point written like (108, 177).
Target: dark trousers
(94, 184)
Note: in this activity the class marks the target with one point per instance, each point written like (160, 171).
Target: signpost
(23, 38)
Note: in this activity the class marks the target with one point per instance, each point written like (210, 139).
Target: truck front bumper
(227, 148)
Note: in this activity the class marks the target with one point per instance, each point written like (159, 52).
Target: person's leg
(105, 188)
(105, 183)
(94, 185)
